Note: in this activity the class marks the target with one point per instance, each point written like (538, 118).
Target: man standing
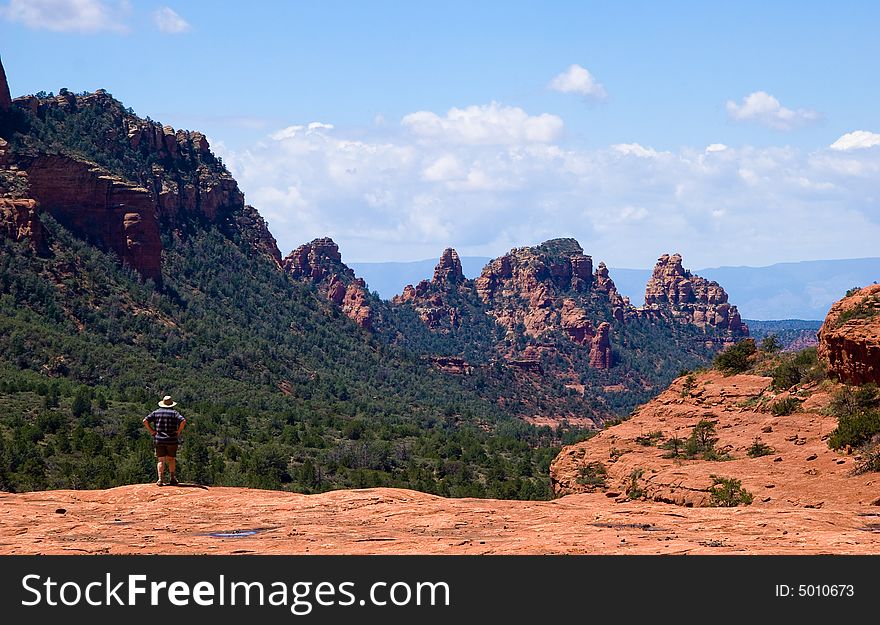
(165, 425)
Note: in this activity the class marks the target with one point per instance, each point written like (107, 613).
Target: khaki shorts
(164, 450)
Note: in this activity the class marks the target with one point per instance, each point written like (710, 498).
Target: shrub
(759, 449)
(770, 344)
(870, 462)
(727, 492)
(802, 367)
(633, 490)
(674, 445)
(851, 400)
(784, 406)
(858, 416)
(865, 309)
(689, 382)
(786, 375)
(593, 475)
(701, 443)
(650, 439)
(736, 358)
(855, 430)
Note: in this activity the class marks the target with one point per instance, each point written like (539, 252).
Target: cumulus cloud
(856, 140)
(490, 124)
(67, 15)
(762, 108)
(395, 193)
(168, 21)
(577, 79)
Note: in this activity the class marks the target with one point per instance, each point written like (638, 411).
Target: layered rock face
(257, 231)
(19, 222)
(320, 263)
(125, 213)
(431, 299)
(5, 98)
(688, 298)
(849, 339)
(549, 287)
(600, 348)
(448, 270)
(100, 208)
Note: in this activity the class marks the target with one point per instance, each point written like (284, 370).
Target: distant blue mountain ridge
(799, 290)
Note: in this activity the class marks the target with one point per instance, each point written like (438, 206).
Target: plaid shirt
(165, 422)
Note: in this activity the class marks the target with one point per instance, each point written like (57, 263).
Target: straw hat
(167, 402)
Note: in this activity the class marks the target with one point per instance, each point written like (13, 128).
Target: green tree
(82, 402)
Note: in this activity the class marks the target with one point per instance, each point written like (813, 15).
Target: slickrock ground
(149, 520)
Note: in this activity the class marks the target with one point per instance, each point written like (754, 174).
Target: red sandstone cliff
(849, 339)
(320, 263)
(688, 298)
(125, 214)
(100, 208)
(19, 222)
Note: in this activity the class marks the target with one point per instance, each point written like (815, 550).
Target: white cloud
(634, 149)
(856, 140)
(168, 21)
(577, 79)
(490, 124)
(762, 108)
(68, 15)
(446, 167)
(291, 131)
(715, 147)
(393, 193)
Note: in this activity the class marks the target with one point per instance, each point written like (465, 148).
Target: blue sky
(639, 128)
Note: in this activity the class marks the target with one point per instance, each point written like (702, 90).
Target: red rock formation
(575, 323)
(448, 270)
(256, 230)
(451, 364)
(605, 285)
(600, 347)
(320, 263)
(688, 298)
(19, 221)
(356, 306)
(5, 98)
(801, 471)
(431, 298)
(101, 208)
(317, 261)
(549, 287)
(849, 339)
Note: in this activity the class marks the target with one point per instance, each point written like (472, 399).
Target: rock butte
(849, 339)
(320, 263)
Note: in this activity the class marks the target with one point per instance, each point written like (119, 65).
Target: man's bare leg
(160, 466)
(172, 468)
